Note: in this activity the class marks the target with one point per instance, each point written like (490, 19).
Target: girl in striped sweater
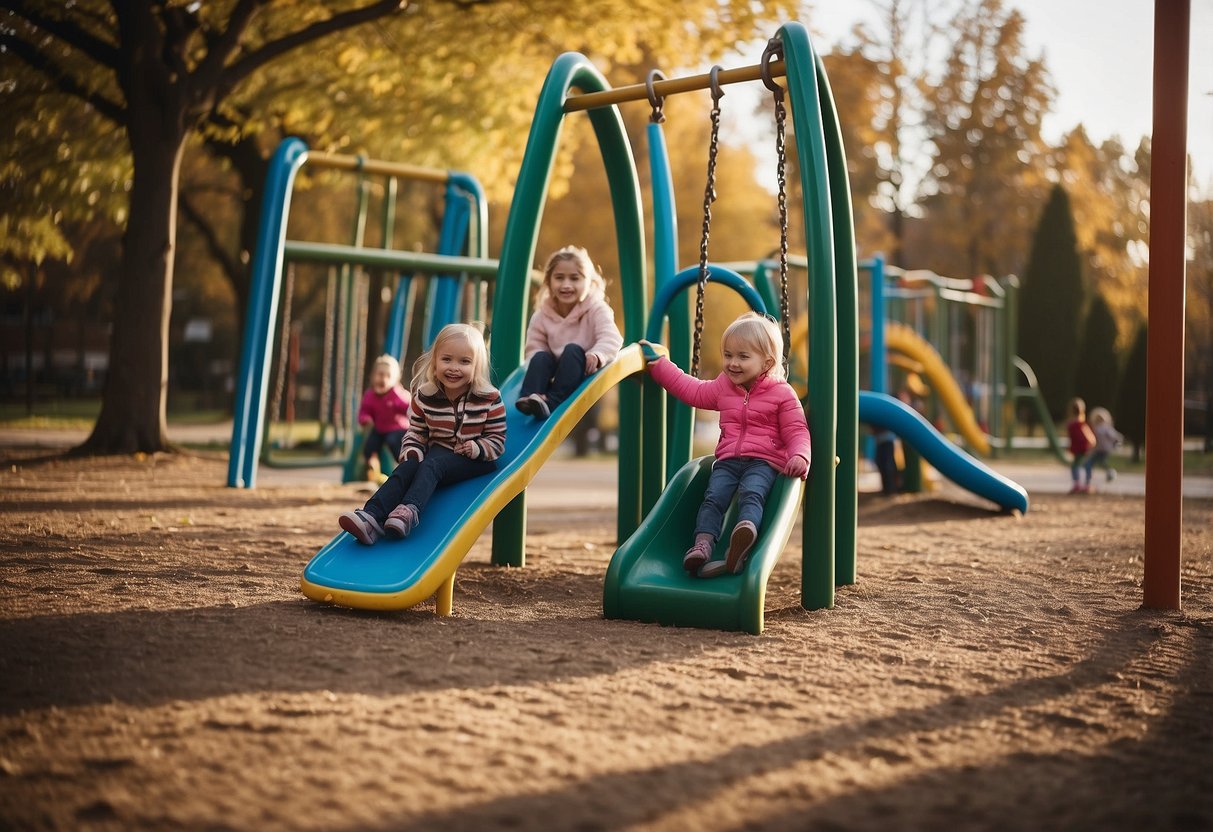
(456, 432)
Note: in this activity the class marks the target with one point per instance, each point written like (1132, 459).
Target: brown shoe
(742, 539)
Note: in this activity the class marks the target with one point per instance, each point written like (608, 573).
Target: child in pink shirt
(385, 408)
(571, 335)
(763, 433)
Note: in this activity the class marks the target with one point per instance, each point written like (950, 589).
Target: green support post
(846, 483)
(817, 579)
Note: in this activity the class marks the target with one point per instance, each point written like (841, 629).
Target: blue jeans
(376, 440)
(1080, 464)
(747, 477)
(414, 482)
(555, 378)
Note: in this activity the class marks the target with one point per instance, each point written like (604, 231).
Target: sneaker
(1111, 474)
(539, 406)
(697, 556)
(1075, 489)
(534, 405)
(742, 539)
(713, 568)
(365, 529)
(402, 521)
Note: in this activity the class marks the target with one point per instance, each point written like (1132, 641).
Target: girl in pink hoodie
(763, 433)
(571, 335)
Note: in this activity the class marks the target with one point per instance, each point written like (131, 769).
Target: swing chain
(709, 196)
(774, 49)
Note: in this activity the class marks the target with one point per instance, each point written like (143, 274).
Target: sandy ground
(159, 669)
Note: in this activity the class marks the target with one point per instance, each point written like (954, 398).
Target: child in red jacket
(1082, 441)
(385, 411)
(763, 433)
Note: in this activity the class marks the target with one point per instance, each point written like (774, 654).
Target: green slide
(646, 582)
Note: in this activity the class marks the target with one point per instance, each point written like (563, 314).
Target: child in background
(456, 432)
(1082, 440)
(1107, 439)
(886, 460)
(385, 407)
(571, 335)
(763, 433)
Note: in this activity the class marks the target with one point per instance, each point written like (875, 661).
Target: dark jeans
(552, 377)
(750, 478)
(414, 482)
(376, 440)
(886, 464)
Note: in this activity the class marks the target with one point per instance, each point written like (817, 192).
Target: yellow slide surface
(900, 338)
(906, 341)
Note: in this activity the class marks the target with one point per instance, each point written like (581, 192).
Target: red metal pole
(1165, 343)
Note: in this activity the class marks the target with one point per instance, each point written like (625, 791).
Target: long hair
(424, 373)
(596, 283)
(762, 335)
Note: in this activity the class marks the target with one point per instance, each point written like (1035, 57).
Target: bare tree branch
(103, 53)
(221, 45)
(247, 65)
(37, 60)
(213, 244)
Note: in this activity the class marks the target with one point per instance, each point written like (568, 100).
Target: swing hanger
(655, 101)
(773, 51)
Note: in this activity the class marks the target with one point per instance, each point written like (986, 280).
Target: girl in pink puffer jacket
(763, 433)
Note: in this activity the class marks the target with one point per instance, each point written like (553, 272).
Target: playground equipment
(642, 453)
(909, 315)
(346, 340)
(645, 579)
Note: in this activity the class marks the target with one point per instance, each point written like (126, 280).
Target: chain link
(709, 196)
(781, 117)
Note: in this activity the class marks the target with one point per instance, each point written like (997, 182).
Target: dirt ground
(159, 669)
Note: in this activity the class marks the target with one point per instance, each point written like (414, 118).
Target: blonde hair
(423, 369)
(1078, 409)
(393, 368)
(1099, 416)
(762, 335)
(595, 281)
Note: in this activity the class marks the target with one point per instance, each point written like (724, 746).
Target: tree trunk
(132, 417)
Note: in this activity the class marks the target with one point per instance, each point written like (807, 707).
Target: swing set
(286, 272)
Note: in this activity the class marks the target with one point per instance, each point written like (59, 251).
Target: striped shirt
(434, 419)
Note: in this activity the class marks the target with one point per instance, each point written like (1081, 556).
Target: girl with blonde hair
(763, 433)
(456, 432)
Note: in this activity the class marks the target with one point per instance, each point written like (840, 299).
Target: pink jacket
(388, 412)
(590, 324)
(767, 421)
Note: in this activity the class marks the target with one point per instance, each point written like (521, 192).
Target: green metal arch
(511, 298)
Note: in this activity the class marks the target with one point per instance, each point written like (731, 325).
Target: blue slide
(887, 412)
(395, 574)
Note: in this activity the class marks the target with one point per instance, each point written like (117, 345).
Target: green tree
(1198, 361)
(1098, 369)
(1050, 303)
(983, 118)
(1130, 414)
(156, 70)
(1110, 201)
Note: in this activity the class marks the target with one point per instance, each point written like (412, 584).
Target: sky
(1100, 56)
